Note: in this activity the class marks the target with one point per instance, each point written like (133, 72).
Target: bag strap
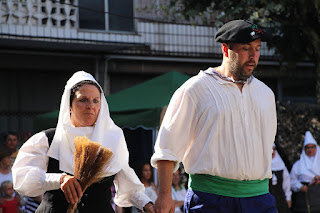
(53, 164)
(50, 134)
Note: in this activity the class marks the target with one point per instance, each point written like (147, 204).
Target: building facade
(43, 42)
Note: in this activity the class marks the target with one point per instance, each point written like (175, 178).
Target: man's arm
(164, 203)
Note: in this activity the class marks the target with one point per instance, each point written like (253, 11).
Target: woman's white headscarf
(104, 132)
(277, 162)
(309, 166)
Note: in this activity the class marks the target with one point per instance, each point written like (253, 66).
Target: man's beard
(237, 70)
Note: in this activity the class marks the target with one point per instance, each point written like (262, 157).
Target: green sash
(228, 187)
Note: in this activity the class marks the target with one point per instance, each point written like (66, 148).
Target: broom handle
(307, 202)
(72, 208)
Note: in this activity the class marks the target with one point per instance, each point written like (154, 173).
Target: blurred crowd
(297, 190)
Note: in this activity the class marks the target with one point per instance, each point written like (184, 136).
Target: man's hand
(71, 188)
(164, 204)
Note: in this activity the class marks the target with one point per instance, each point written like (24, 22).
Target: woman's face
(6, 162)
(310, 150)
(176, 178)
(146, 172)
(85, 106)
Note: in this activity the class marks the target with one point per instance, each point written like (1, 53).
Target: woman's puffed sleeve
(129, 189)
(286, 184)
(29, 169)
(294, 181)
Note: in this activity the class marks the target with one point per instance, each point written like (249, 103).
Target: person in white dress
(305, 177)
(178, 191)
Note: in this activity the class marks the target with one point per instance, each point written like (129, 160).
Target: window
(121, 15)
(91, 14)
(113, 15)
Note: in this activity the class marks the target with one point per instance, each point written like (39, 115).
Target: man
(221, 125)
(11, 144)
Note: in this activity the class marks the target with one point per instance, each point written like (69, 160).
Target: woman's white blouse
(297, 177)
(30, 177)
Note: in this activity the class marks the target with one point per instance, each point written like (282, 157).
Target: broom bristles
(91, 162)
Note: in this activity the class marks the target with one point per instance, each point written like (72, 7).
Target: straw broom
(90, 162)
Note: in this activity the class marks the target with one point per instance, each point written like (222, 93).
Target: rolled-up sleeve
(177, 129)
(129, 189)
(30, 167)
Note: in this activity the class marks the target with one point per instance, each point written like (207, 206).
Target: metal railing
(57, 21)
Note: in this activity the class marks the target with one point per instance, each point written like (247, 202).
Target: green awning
(139, 105)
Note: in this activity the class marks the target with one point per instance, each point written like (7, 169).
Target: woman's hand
(315, 180)
(71, 188)
(149, 208)
(304, 188)
(289, 204)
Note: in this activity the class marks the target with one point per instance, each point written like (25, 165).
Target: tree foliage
(295, 29)
(294, 24)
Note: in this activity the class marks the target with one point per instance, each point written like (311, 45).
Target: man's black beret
(240, 31)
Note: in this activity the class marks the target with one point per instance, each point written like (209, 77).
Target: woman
(5, 166)
(178, 192)
(43, 168)
(146, 177)
(305, 179)
(279, 184)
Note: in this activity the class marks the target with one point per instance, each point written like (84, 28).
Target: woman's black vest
(94, 200)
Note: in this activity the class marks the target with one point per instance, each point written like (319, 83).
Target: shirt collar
(211, 71)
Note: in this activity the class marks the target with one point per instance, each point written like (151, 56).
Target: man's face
(11, 142)
(244, 59)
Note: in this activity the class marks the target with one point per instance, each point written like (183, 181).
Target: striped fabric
(31, 205)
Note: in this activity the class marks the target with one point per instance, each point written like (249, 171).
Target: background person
(45, 162)
(11, 202)
(5, 166)
(11, 145)
(305, 177)
(279, 184)
(178, 191)
(146, 177)
(145, 174)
